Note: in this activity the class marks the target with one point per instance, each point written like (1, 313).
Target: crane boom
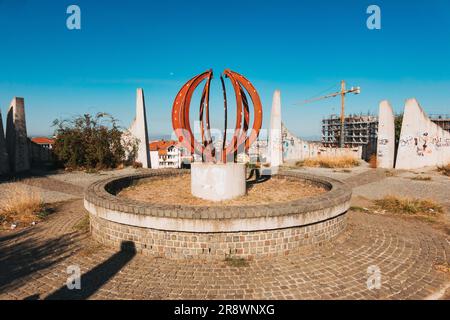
(342, 93)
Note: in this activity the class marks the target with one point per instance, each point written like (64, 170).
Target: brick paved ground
(410, 255)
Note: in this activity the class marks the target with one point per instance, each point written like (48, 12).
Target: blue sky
(299, 47)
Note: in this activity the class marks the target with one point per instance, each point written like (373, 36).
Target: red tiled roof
(161, 146)
(43, 140)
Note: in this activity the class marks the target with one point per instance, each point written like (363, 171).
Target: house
(44, 142)
(41, 149)
(165, 154)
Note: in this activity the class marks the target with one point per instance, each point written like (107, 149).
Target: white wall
(275, 139)
(422, 142)
(386, 136)
(154, 159)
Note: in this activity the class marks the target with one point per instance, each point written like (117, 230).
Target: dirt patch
(177, 190)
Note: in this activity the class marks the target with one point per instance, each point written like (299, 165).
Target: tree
(93, 142)
(398, 126)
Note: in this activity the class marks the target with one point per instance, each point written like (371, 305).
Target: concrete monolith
(422, 142)
(4, 159)
(275, 138)
(386, 136)
(139, 130)
(16, 137)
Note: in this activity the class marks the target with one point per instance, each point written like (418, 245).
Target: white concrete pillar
(422, 142)
(140, 131)
(218, 181)
(4, 159)
(16, 136)
(275, 138)
(386, 136)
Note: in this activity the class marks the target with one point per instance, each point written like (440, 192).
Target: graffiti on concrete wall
(382, 142)
(424, 144)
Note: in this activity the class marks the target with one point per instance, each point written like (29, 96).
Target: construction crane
(342, 93)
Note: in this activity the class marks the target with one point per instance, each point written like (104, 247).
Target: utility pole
(342, 93)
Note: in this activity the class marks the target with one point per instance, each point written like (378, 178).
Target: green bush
(88, 141)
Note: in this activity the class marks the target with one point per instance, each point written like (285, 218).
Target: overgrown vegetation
(445, 170)
(398, 120)
(329, 162)
(93, 142)
(408, 206)
(22, 205)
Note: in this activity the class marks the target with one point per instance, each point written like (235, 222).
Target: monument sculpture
(386, 136)
(4, 159)
(16, 137)
(216, 178)
(139, 130)
(275, 138)
(422, 142)
(192, 226)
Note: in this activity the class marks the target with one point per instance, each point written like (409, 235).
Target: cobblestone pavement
(411, 255)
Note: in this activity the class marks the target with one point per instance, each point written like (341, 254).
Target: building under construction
(359, 130)
(362, 130)
(442, 120)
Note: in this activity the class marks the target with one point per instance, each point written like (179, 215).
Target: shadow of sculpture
(255, 177)
(19, 260)
(94, 279)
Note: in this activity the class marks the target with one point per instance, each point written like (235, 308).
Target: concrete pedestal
(218, 182)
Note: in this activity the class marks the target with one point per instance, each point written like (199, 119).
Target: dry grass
(408, 206)
(329, 162)
(20, 204)
(445, 170)
(83, 225)
(421, 178)
(177, 190)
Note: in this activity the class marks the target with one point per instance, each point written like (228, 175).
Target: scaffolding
(358, 130)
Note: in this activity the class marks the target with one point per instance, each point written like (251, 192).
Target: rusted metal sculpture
(182, 127)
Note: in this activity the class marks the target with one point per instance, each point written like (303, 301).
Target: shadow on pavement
(98, 276)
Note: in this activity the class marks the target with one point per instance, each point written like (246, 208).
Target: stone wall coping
(101, 194)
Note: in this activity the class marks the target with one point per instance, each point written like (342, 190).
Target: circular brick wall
(215, 232)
